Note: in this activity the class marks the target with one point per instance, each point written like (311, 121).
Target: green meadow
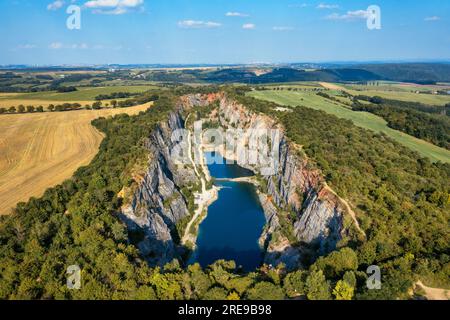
(82, 93)
(362, 119)
(400, 92)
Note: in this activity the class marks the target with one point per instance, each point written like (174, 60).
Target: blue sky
(221, 31)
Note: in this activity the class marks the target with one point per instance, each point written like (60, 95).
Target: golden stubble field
(41, 150)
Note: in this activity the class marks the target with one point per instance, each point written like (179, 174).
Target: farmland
(396, 91)
(84, 95)
(362, 119)
(41, 150)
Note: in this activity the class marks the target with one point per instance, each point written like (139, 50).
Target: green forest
(401, 199)
(421, 121)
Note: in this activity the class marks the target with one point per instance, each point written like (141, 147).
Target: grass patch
(82, 94)
(362, 119)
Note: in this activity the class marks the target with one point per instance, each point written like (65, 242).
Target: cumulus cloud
(114, 7)
(236, 14)
(433, 18)
(327, 6)
(193, 24)
(55, 5)
(249, 26)
(349, 16)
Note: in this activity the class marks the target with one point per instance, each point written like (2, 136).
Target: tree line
(429, 123)
(401, 201)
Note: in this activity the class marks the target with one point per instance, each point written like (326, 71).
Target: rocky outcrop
(295, 186)
(157, 203)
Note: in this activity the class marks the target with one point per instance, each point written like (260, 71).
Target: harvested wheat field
(41, 150)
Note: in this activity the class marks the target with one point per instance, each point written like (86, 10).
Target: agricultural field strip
(82, 94)
(399, 91)
(362, 119)
(41, 150)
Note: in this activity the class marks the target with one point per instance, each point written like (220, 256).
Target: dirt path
(331, 86)
(41, 150)
(434, 293)
(347, 206)
(204, 199)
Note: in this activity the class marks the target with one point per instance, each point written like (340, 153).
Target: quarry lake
(234, 222)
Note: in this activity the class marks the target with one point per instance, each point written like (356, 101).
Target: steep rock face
(157, 203)
(320, 222)
(295, 187)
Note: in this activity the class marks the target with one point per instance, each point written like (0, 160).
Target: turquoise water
(234, 222)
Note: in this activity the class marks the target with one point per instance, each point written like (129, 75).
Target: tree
(343, 291)
(199, 280)
(233, 296)
(145, 293)
(335, 264)
(21, 108)
(97, 105)
(216, 293)
(239, 284)
(30, 109)
(294, 283)
(350, 278)
(114, 103)
(220, 271)
(40, 109)
(2, 110)
(51, 107)
(265, 291)
(66, 89)
(12, 109)
(317, 287)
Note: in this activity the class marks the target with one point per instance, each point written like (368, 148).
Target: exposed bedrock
(157, 203)
(295, 187)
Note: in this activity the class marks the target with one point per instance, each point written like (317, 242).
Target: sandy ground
(434, 293)
(41, 150)
(205, 198)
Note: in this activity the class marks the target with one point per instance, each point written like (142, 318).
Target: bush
(265, 291)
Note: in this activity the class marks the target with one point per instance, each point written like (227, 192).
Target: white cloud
(113, 3)
(55, 5)
(299, 5)
(327, 6)
(27, 46)
(433, 18)
(236, 14)
(60, 45)
(193, 24)
(249, 26)
(114, 7)
(349, 16)
(282, 28)
(56, 45)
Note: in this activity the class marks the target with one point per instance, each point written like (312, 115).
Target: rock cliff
(295, 188)
(157, 203)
